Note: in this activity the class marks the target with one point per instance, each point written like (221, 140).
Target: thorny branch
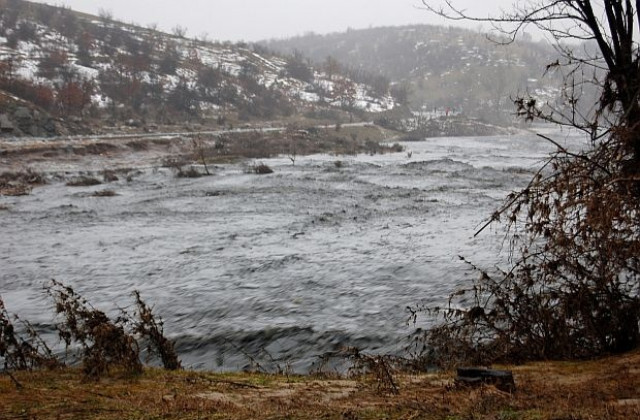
(574, 290)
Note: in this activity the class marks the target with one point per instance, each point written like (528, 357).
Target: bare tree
(179, 31)
(105, 15)
(574, 288)
(293, 135)
(200, 151)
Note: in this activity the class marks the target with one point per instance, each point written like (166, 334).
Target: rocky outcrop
(19, 118)
(25, 121)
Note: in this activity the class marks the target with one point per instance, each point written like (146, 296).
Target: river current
(317, 256)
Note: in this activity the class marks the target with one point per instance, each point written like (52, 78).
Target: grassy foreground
(603, 389)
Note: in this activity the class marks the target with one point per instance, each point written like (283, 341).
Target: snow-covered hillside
(441, 68)
(79, 66)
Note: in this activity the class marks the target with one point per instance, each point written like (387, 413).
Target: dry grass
(83, 181)
(261, 169)
(104, 193)
(598, 390)
(15, 190)
(20, 182)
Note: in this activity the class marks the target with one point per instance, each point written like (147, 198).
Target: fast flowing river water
(308, 259)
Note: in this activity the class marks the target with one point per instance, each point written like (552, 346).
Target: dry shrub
(109, 176)
(20, 183)
(104, 193)
(20, 352)
(190, 172)
(15, 190)
(182, 167)
(151, 329)
(381, 367)
(261, 169)
(28, 176)
(104, 342)
(201, 151)
(83, 181)
(574, 289)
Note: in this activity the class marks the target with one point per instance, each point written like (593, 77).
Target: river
(322, 254)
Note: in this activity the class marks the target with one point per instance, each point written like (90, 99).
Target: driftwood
(473, 376)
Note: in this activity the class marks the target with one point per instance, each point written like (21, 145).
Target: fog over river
(308, 259)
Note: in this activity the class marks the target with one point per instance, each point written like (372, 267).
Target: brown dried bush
(83, 181)
(22, 351)
(152, 329)
(104, 342)
(261, 169)
(20, 183)
(573, 290)
(104, 193)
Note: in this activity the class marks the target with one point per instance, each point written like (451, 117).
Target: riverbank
(602, 389)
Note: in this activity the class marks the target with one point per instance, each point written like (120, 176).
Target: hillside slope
(439, 68)
(94, 71)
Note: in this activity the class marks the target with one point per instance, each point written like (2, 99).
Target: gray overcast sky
(252, 20)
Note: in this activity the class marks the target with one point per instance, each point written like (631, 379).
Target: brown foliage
(104, 342)
(72, 97)
(151, 329)
(20, 352)
(107, 342)
(83, 181)
(574, 288)
(100, 342)
(261, 169)
(19, 183)
(40, 95)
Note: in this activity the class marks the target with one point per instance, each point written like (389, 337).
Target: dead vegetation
(20, 183)
(83, 181)
(260, 169)
(151, 329)
(102, 344)
(603, 390)
(257, 144)
(24, 351)
(573, 288)
(104, 193)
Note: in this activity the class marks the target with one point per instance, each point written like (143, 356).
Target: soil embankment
(604, 389)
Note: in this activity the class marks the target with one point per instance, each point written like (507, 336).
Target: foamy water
(309, 259)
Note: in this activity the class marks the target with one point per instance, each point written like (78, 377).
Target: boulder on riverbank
(21, 119)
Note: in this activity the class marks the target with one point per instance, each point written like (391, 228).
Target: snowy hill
(91, 71)
(439, 69)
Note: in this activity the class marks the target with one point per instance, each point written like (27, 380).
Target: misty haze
(287, 195)
(132, 161)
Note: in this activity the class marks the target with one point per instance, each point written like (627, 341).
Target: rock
(6, 126)
(473, 376)
(50, 126)
(34, 130)
(22, 113)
